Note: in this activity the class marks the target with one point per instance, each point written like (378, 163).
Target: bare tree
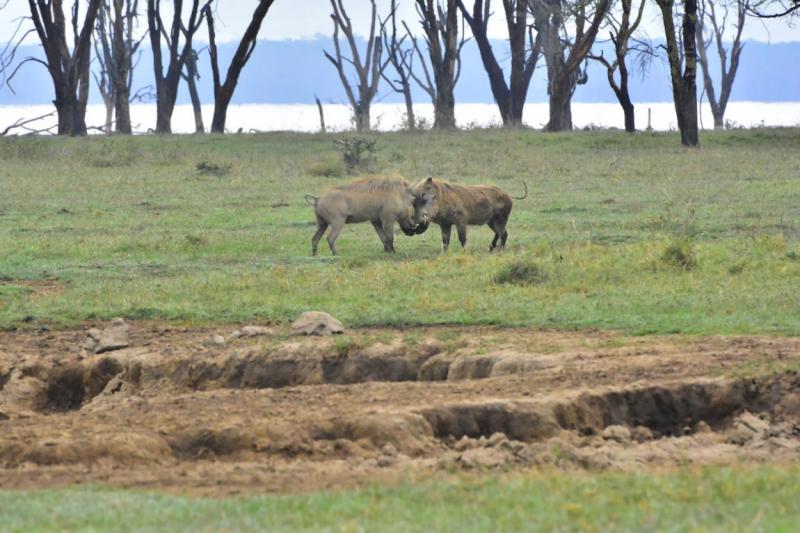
(440, 26)
(401, 58)
(368, 71)
(167, 82)
(525, 50)
(68, 68)
(684, 84)
(223, 90)
(768, 9)
(565, 56)
(708, 14)
(115, 50)
(621, 31)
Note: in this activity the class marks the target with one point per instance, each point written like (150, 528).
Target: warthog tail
(311, 199)
(523, 196)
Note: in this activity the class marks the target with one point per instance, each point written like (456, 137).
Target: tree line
(560, 37)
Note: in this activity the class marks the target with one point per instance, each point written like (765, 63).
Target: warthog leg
(336, 228)
(462, 234)
(322, 225)
(445, 236)
(381, 234)
(388, 233)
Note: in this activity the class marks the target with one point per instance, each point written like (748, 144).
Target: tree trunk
(630, 118)
(122, 111)
(560, 106)
(719, 118)
(321, 116)
(199, 127)
(411, 120)
(445, 114)
(361, 118)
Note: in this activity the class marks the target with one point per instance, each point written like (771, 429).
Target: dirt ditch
(180, 408)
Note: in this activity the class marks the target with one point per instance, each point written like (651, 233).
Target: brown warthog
(382, 201)
(450, 204)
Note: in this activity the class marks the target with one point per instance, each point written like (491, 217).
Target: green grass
(764, 498)
(130, 227)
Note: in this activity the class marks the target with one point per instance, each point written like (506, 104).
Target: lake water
(299, 117)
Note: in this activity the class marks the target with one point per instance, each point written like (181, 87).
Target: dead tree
(440, 26)
(684, 84)
(401, 59)
(621, 33)
(190, 76)
(525, 50)
(770, 9)
(718, 26)
(223, 91)
(102, 77)
(167, 81)
(68, 68)
(115, 50)
(565, 56)
(368, 71)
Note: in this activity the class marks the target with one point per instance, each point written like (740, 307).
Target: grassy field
(629, 232)
(709, 499)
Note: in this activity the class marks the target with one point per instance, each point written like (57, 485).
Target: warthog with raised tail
(382, 201)
(450, 204)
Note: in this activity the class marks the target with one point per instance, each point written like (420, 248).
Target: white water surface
(385, 117)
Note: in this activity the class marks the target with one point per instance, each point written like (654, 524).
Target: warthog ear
(429, 180)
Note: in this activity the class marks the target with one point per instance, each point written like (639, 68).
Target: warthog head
(426, 205)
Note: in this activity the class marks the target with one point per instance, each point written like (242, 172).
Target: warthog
(382, 201)
(450, 204)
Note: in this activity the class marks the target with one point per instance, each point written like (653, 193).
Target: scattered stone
(254, 331)
(316, 323)
(4, 416)
(496, 439)
(617, 433)
(465, 443)
(750, 422)
(114, 337)
(215, 340)
(702, 427)
(389, 450)
(642, 434)
(482, 441)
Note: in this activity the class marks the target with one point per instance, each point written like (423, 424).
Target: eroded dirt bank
(210, 411)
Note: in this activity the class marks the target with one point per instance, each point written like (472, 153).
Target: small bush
(792, 256)
(680, 254)
(207, 168)
(736, 268)
(358, 153)
(522, 273)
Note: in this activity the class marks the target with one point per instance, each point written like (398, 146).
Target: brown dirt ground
(179, 410)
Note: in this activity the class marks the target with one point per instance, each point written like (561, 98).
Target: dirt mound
(269, 411)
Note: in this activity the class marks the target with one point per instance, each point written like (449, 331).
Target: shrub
(680, 254)
(522, 273)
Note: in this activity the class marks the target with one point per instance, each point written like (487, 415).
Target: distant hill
(294, 71)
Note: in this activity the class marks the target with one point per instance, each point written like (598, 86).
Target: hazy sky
(298, 19)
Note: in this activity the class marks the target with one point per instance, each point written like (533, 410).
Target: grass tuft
(522, 273)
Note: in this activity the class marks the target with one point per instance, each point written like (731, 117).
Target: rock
(465, 443)
(4, 416)
(389, 450)
(316, 323)
(749, 422)
(642, 434)
(617, 433)
(496, 439)
(114, 337)
(702, 427)
(215, 340)
(254, 331)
